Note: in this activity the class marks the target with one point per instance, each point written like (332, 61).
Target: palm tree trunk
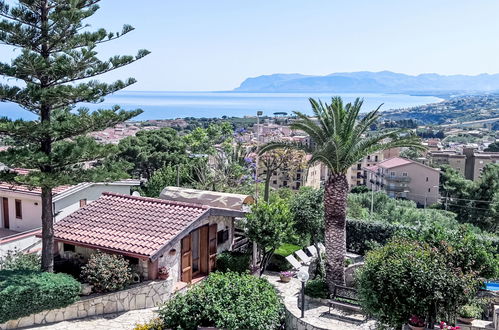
(335, 209)
(266, 192)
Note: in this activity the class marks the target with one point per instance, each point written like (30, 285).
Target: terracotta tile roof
(394, 162)
(25, 189)
(128, 224)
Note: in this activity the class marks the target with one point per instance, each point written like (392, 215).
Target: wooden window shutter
(212, 246)
(186, 260)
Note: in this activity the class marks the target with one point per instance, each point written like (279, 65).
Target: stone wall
(139, 296)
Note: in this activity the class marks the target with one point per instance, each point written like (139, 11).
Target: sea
(171, 105)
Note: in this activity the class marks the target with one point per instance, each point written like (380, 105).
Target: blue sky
(216, 44)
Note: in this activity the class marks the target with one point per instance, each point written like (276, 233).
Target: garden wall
(139, 296)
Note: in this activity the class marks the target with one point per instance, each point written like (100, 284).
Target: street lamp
(303, 277)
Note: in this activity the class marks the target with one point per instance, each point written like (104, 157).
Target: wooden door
(203, 250)
(5, 208)
(186, 260)
(212, 246)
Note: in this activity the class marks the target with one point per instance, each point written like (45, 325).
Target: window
(375, 158)
(83, 202)
(426, 179)
(68, 247)
(429, 189)
(285, 183)
(222, 236)
(19, 209)
(404, 174)
(274, 182)
(392, 173)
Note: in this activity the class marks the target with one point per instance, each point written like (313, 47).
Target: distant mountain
(371, 82)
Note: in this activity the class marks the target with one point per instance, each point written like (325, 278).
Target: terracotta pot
(413, 327)
(465, 320)
(285, 279)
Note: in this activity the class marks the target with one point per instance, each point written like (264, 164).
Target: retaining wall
(144, 295)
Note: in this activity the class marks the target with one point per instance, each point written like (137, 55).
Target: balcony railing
(398, 178)
(396, 188)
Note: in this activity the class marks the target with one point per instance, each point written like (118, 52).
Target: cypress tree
(54, 72)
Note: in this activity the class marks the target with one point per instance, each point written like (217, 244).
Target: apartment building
(452, 158)
(317, 174)
(404, 178)
(476, 161)
(469, 163)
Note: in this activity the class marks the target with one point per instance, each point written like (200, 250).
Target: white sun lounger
(292, 260)
(322, 247)
(312, 250)
(303, 256)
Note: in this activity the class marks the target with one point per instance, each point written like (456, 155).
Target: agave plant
(341, 137)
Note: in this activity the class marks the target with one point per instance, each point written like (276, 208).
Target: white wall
(31, 211)
(67, 205)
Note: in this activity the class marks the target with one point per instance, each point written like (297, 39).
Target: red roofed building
(21, 210)
(151, 233)
(404, 178)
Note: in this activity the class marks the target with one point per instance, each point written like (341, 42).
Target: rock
(86, 289)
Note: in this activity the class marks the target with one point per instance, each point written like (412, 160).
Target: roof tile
(130, 224)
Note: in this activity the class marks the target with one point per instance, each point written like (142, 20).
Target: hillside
(371, 82)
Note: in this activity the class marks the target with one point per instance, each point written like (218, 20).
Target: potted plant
(163, 273)
(286, 276)
(416, 322)
(467, 313)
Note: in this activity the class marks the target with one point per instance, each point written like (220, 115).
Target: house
(151, 233)
(404, 178)
(21, 210)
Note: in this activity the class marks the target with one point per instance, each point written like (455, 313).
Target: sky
(200, 45)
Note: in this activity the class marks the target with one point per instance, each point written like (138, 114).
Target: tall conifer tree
(53, 73)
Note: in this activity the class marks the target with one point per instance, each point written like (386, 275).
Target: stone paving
(316, 314)
(115, 321)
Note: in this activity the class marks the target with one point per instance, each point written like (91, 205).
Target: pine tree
(53, 73)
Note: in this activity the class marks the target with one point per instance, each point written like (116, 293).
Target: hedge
(362, 235)
(25, 292)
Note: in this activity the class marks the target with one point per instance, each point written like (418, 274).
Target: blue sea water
(168, 105)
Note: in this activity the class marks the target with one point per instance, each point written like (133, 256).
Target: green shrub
(25, 292)
(228, 301)
(278, 263)
(16, 260)
(471, 311)
(230, 261)
(316, 288)
(107, 272)
(286, 249)
(405, 278)
(361, 234)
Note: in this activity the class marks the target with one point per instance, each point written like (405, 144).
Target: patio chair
(295, 263)
(303, 256)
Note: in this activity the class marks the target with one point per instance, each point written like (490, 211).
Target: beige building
(404, 178)
(476, 161)
(318, 173)
(451, 158)
(469, 163)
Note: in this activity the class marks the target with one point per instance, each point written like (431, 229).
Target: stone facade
(143, 295)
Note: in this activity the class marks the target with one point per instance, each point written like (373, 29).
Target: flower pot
(285, 279)
(465, 320)
(413, 327)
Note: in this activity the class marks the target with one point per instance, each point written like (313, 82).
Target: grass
(287, 249)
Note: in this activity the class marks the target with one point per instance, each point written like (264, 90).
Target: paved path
(316, 314)
(121, 321)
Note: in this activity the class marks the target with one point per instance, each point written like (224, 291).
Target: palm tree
(340, 138)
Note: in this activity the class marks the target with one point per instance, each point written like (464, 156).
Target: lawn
(286, 249)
